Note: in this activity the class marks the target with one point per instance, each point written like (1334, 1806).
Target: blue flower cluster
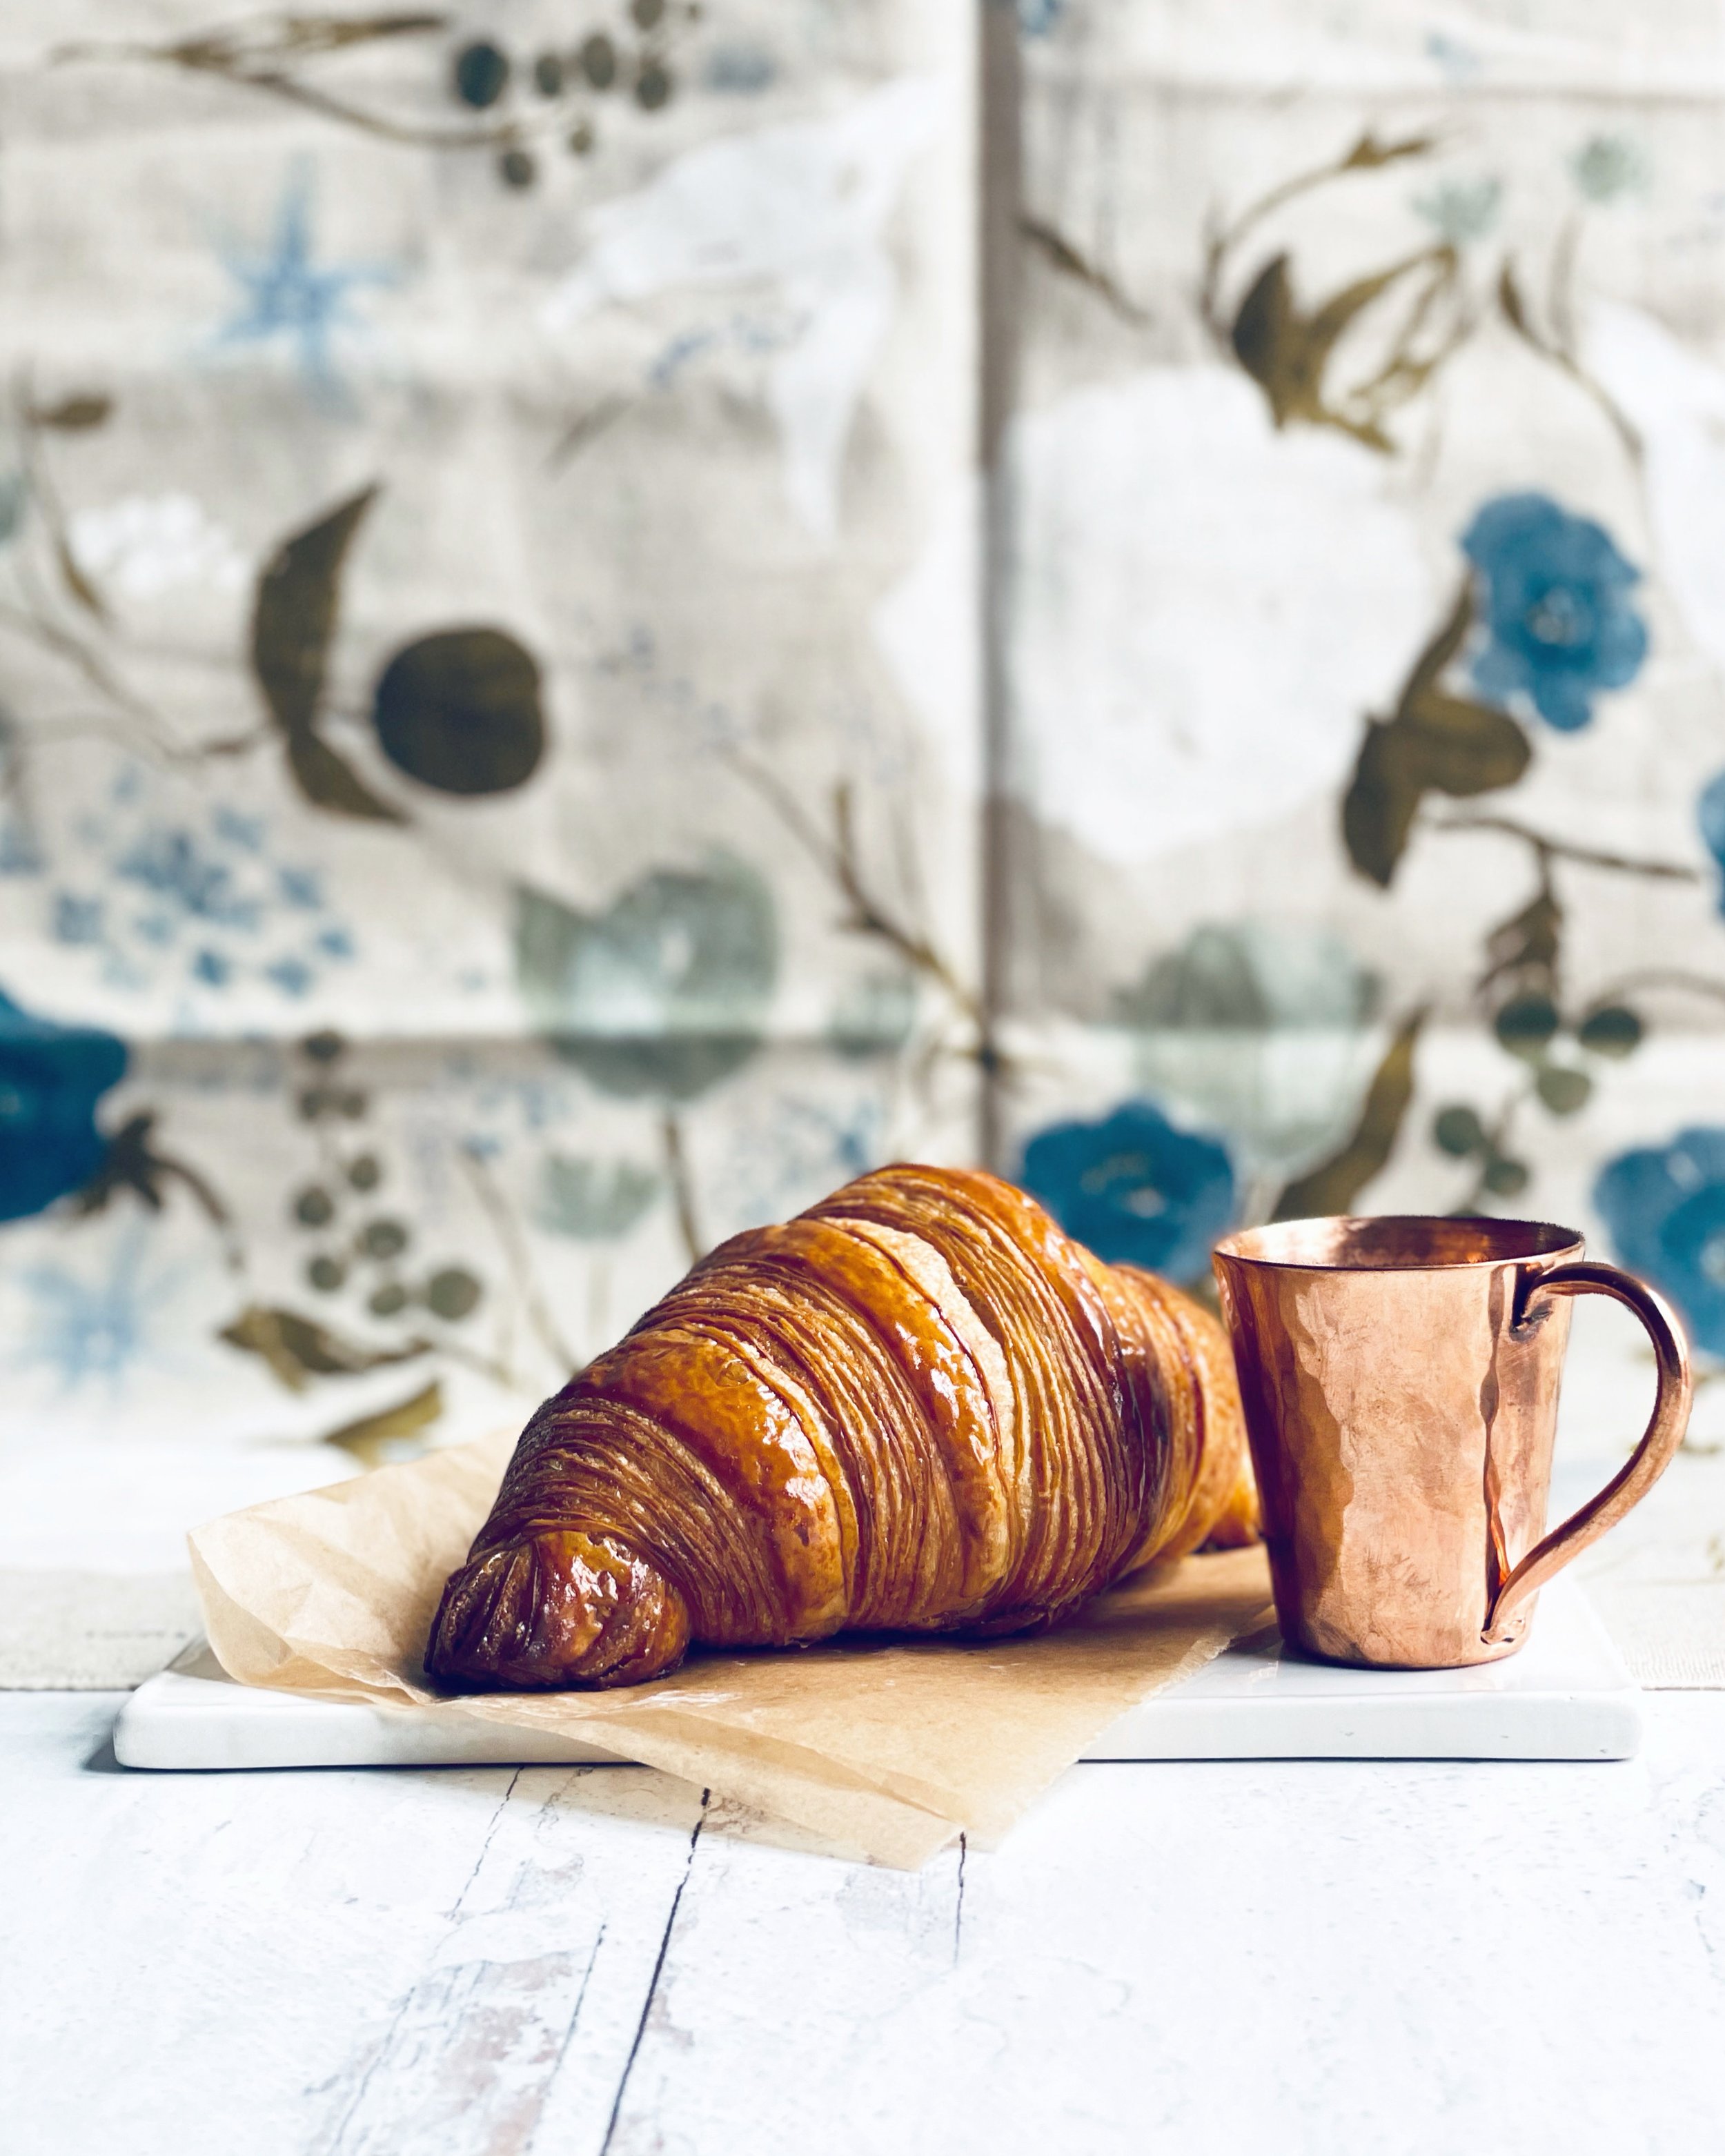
(1665, 1206)
(205, 907)
(51, 1078)
(1710, 815)
(1135, 1187)
(1556, 609)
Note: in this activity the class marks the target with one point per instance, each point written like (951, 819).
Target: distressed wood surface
(1312, 1955)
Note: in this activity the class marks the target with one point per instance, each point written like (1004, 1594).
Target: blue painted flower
(176, 867)
(1710, 815)
(51, 1077)
(1665, 1206)
(1135, 1187)
(663, 994)
(740, 71)
(218, 909)
(76, 920)
(1556, 604)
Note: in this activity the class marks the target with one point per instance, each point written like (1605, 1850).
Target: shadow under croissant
(490, 1633)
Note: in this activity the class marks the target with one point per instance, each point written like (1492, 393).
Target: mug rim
(1298, 1245)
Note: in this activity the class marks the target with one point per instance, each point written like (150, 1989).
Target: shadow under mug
(1400, 1378)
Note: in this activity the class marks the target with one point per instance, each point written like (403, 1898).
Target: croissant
(918, 1407)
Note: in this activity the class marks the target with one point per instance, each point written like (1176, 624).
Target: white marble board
(1566, 1695)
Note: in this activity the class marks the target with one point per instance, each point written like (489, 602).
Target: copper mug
(1400, 1380)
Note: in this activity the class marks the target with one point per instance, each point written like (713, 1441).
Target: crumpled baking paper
(887, 1749)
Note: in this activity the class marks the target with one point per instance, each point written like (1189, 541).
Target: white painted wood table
(1320, 1955)
(1348, 1958)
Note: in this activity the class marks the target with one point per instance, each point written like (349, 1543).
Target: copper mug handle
(1645, 1464)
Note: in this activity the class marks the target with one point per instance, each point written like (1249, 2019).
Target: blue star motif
(288, 298)
(98, 1327)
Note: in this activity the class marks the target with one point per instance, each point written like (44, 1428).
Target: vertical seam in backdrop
(999, 190)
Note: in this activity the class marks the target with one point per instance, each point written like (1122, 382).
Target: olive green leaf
(1288, 352)
(1436, 743)
(1323, 330)
(73, 415)
(294, 616)
(14, 495)
(1505, 1178)
(1382, 800)
(665, 993)
(594, 1200)
(1446, 746)
(298, 1349)
(453, 1293)
(598, 61)
(328, 780)
(76, 582)
(1445, 645)
(1526, 947)
(1565, 1091)
(1264, 330)
(655, 84)
(293, 621)
(366, 1437)
(1458, 1131)
(460, 711)
(1463, 748)
(1526, 1026)
(1515, 310)
(1054, 246)
(1368, 153)
(1333, 1185)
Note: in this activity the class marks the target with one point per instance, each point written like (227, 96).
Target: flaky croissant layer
(918, 1407)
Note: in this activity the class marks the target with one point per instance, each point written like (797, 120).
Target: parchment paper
(887, 1750)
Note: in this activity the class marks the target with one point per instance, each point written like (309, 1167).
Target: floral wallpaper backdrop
(487, 798)
(491, 731)
(1367, 725)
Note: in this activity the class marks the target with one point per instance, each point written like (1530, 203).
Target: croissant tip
(560, 1609)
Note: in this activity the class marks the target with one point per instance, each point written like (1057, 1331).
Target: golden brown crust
(1222, 1506)
(918, 1407)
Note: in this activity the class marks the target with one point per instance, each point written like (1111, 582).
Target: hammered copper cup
(1400, 1382)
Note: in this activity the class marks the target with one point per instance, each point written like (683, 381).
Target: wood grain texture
(1205, 1958)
